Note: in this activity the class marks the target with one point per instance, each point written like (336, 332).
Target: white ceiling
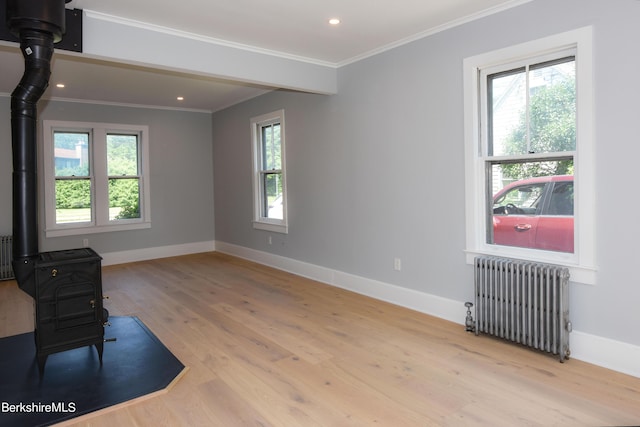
(285, 28)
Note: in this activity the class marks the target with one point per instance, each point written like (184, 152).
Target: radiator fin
(523, 302)
(6, 270)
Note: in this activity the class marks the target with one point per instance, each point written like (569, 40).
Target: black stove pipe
(39, 24)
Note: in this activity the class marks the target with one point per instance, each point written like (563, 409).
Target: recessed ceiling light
(60, 85)
(334, 21)
(180, 98)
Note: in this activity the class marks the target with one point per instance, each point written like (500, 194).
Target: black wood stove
(66, 285)
(68, 300)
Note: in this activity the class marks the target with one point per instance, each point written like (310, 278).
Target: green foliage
(552, 127)
(73, 194)
(129, 212)
(122, 155)
(125, 194)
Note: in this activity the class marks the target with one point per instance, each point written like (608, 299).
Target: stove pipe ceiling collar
(38, 24)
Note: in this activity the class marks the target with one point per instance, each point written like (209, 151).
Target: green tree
(552, 128)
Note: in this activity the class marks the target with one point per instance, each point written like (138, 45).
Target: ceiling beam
(114, 39)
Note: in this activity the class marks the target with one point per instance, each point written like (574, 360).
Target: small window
(269, 172)
(96, 177)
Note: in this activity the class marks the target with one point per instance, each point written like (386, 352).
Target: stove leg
(100, 348)
(42, 359)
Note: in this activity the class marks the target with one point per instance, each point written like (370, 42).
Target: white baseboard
(134, 255)
(611, 354)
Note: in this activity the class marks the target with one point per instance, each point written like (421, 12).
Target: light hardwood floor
(267, 348)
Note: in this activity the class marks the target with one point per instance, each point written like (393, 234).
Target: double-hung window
(529, 153)
(96, 177)
(269, 184)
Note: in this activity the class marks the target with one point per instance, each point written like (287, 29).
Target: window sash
(268, 134)
(521, 84)
(523, 66)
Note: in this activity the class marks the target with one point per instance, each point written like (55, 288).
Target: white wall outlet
(85, 243)
(397, 264)
(269, 240)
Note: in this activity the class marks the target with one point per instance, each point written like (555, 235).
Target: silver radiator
(6, 271)
(524, 302)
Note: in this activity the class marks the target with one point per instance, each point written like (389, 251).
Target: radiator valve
(469, 323)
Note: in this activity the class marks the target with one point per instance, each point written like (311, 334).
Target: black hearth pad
(74, 383)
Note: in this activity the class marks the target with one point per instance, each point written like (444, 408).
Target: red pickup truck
(535, 213)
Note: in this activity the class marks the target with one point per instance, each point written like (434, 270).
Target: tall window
(269, 172)
(96, 177)
(529, 152)
(531, 133)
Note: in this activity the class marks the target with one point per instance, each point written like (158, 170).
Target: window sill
(267, 226)
(75, 231)
(578, 273)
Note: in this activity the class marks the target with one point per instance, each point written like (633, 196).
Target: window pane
(533, 111)
(71, 153)
(271, 147)
(122, 155)
(507, 105)
(73, 200)
(124, 198)
(552, 98)
(272, 184)
(532, 205)
(503, 174)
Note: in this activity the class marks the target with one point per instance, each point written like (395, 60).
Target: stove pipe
(38, 24)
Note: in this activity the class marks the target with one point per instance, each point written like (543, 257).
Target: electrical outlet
(397, 264)
(269, 240)
(85, 243)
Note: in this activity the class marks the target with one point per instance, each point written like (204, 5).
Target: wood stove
(66, 285)
(69, 310)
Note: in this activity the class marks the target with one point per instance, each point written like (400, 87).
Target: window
(529, 153)
(96, 177)
(531, 133)
(269, 189)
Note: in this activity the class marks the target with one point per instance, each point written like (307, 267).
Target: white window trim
(259, 221)
(100, 218)
(582, 263)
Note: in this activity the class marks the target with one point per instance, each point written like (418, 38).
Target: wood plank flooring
(267, 348)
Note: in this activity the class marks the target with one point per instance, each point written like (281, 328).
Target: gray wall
(181, 175)
(377, 171)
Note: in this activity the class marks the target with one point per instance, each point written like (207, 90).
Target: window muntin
(531, 133)
(96, 177)
(269, 172)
